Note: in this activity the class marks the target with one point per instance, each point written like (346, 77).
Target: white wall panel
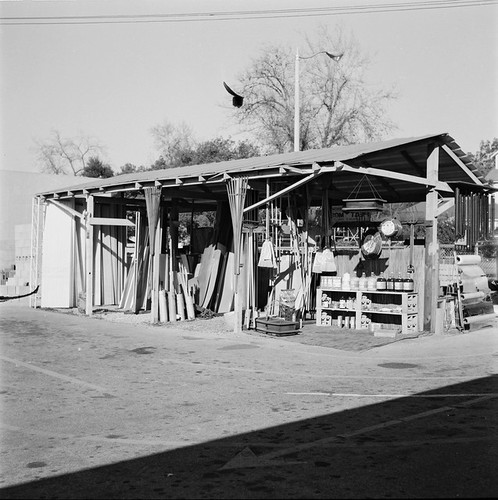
(57, 259)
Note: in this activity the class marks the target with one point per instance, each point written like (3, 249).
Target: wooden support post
(155, 270)
(431, 243)
(135, 307)
(174, 240)
(89, 255)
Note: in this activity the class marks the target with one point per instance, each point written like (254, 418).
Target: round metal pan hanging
(391, 227)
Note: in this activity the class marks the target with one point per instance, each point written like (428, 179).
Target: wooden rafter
(109, 221)
(379, 172)
(286, 190)
(382, 180)
(461, 164)
(65, 208)
(412, 162)
(444, 205)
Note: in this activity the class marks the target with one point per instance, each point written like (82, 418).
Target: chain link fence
(447, 256)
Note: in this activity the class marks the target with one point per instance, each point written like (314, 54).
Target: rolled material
(468, 259)
(477, 284)
(469, 320)
(482, 284)
(471, 271)
(473, 295)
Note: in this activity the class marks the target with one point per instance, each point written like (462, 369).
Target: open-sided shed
(431, 169)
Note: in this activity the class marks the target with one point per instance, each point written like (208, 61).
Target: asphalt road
(94, 409)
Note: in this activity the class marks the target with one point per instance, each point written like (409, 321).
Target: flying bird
(237, 99)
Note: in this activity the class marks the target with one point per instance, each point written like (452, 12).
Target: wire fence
(447, 256)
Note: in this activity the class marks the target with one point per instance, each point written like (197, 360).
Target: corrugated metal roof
(391, 154)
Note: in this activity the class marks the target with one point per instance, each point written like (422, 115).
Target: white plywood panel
(56, 286)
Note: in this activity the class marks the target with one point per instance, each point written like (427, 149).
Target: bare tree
(59, 155)
(171, 141)
(337, 105)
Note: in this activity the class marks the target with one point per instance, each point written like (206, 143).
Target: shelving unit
(368, 309)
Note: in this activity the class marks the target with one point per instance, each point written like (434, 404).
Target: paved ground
(103, 409)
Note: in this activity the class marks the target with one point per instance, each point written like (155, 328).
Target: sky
(114, 78)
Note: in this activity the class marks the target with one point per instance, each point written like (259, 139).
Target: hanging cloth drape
(237, 189)
(152, 201)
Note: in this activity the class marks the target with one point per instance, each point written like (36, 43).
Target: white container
(346, 281)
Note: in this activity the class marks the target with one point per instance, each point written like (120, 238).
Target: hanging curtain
(237, 189)
(152, 201)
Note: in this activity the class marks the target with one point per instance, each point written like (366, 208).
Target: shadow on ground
(440, 443)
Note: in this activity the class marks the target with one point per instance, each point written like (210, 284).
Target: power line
(238, 15)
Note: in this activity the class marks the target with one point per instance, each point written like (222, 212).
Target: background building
(16, 195)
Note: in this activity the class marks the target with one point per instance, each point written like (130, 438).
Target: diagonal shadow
(436, 444)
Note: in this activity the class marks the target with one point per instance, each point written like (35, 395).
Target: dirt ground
(220, 326)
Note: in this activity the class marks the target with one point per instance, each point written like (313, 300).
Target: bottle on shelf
(409, 285)
(372, 282)
(362, 285)
(398, 283)
(346, 281)
(390, 282)
(381, 282)
(355, 283)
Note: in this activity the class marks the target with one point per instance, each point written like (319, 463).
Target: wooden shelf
(401, 309)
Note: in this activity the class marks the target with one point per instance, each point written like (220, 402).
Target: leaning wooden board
(211, 280)
(204, 272)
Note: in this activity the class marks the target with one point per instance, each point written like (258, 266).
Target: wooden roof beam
(109, 221)
(286, 169)
(383, 181)
(105, 200)
(413, 179)
(413, 163)
(286, 190)
(445, 205)
(65, 208)
(461, 164)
